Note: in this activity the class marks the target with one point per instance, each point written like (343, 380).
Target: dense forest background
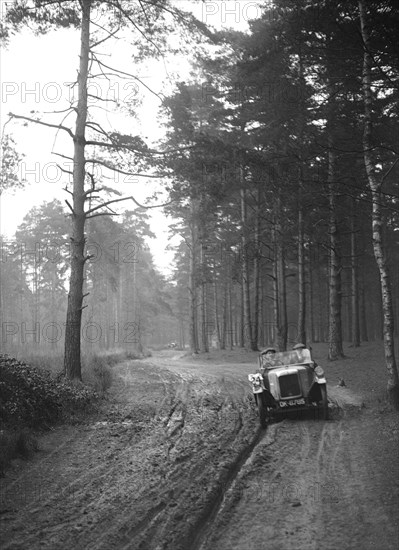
(267, 189)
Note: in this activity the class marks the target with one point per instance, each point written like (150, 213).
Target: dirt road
(176, 461)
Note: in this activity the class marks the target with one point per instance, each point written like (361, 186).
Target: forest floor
(175, 460)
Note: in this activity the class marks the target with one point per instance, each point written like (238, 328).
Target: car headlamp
(256, 379)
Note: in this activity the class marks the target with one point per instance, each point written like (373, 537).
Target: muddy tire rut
(176, 461)
(142, 475)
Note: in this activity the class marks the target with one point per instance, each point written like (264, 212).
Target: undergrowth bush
(97, 368)
(31, 397)
(97, 372)
(53, 362)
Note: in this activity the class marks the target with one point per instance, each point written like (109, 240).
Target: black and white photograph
(199, 275)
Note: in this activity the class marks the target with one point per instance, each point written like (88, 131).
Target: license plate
(292, 402)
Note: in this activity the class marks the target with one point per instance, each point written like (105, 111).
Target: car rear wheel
(262, 410)
(324, 402)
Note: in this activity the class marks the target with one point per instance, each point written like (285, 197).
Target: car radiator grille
(289, 385)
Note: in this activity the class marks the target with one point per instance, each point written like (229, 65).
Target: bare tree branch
(59, 112)
(119, 72)
(145, 13)
(63, 169)
(70, 207)
(101, 98)
(110, 34)
(63, 156)
(99, 128)
(36, 121)
(105, 204)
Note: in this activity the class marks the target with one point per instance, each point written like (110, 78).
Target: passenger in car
(299, 351)
(302, 357)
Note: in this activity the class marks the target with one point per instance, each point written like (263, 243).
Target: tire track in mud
(278, 492)
(150, 530)
(322, 499)
(156, 534)
(203, 529)
(63, 483)
(202, 477)
(353, 515)
(74, 494)
(125, 529)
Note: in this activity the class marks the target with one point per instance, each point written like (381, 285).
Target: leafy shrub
(31, 397)
(51, 362)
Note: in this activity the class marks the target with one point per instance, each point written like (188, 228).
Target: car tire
(262, 411)
(323, 402)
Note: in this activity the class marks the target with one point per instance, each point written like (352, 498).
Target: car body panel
(290, 381)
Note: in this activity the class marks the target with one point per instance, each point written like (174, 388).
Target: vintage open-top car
(288, 381)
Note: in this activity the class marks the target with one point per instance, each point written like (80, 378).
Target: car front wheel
(262, 410)
(323, 402)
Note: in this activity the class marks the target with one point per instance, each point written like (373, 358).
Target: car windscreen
(293, 357)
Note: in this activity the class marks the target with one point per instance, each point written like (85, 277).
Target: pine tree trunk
(223, 332)
(203, 306)
(216, 308)
(362, 313)
(301, 327)
(53, 311)
(282, 327)
(335, 350)
(355, 282)
(280, 283)
(241, 322)
(311, 301)
(248, 338)
(321, 301)
(276, 309)
(72, 357)
(225, 274)
(255, 331)
(230, 317)
(377, 221)
(192, 300)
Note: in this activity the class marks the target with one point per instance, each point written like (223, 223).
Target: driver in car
(269, 358)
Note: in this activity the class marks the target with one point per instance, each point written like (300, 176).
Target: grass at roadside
(363, 369)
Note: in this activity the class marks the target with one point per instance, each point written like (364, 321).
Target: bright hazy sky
(34, 73)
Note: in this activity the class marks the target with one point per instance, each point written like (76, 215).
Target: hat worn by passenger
(299, 346)
(267, 350)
